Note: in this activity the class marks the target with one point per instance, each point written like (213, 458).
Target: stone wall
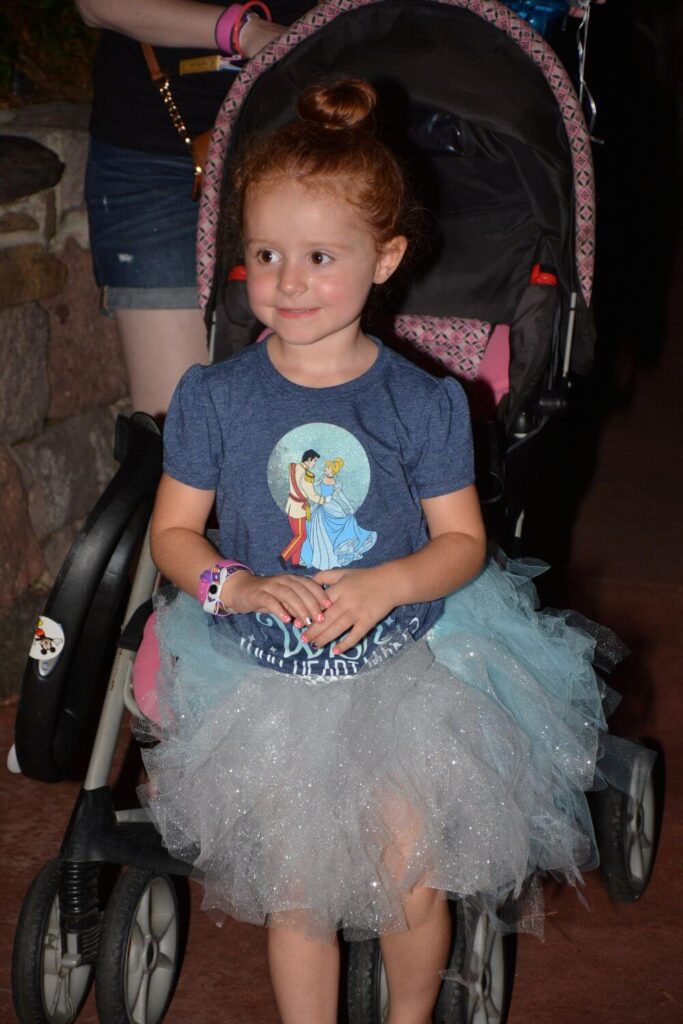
(62, 379)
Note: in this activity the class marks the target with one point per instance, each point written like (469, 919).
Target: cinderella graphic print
(319, 475)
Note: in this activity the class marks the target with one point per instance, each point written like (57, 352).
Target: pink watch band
(231, 22)
(225, 26)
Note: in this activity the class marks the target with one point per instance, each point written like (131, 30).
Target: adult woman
(139, 178)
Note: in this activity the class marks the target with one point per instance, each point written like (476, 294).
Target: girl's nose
(292, 280)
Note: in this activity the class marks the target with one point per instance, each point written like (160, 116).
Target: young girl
(341, 746)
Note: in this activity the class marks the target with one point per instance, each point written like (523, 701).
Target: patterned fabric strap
(211, 583)
(455, 343)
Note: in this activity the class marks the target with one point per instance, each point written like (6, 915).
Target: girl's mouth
(294, 313)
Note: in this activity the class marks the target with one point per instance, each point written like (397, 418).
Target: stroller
(486, 119)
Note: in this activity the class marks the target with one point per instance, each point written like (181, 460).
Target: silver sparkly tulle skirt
(460, 764)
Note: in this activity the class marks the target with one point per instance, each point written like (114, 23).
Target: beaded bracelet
(231, 22)
(211, 583)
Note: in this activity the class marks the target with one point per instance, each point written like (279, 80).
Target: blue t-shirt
(319, 478)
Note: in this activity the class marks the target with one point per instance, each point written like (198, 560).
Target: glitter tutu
(460, 764)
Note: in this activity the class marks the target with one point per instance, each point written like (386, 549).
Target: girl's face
(311, 261)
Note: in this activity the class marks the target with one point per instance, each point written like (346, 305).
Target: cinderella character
(334, 538)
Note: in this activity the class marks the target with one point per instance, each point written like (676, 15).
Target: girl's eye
(267, 256)
(320, 258)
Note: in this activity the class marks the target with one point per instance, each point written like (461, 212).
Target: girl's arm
(181, 552)
(363, 597)
(179, 548)
(172, 23)
(454, 555)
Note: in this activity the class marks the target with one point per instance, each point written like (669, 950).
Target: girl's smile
(294, 313)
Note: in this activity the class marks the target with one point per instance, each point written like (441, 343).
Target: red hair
(332, 146)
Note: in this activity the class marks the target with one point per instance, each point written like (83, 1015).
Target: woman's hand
(173, 23)
(287, 596)
(258, 33)
(360, 599)
(578, 12)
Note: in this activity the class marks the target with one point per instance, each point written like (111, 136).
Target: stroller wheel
(140, 949)
(367, 989)
(488, 958)
(627, 830)
(47, 986)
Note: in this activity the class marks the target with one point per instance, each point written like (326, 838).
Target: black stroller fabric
(484, 140)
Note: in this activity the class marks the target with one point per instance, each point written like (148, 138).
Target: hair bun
(348, 104)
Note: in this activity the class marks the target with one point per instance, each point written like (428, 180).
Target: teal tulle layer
(461, 764)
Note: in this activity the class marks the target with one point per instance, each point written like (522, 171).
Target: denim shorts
(143, 224)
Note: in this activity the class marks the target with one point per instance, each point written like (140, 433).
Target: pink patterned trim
(456, 344)
(489, 10)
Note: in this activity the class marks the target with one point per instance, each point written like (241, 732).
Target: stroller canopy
(487, 121)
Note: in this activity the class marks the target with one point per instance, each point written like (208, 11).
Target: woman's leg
(414, 958)
(158, 346)
(305, 977)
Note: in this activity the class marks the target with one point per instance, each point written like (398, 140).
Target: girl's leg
(158, 346)
(414, 958)
(305, 977)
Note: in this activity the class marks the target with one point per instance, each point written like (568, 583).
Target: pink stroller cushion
(145, 672)
(494, 369)
(493, 375)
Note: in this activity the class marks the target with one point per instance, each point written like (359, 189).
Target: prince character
(298, 507)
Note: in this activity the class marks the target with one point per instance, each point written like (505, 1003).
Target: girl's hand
(360, 599)
(287, 596)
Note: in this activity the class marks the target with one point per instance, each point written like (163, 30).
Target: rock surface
(17, 624)
(62, 379)
(26, 166)
(85, 362)
(29, 272)
(66, 468)
(20, 559)
(17, 221)
(24, 390)
(61, 128)
(57, 116)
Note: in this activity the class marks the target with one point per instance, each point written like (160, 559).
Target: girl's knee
(422, 905)
(404, 829)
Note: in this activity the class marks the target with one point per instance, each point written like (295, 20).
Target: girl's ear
(389, 257)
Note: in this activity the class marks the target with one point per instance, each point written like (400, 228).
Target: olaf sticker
(48, 640)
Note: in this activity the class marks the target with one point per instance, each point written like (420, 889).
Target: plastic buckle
(542, 273)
